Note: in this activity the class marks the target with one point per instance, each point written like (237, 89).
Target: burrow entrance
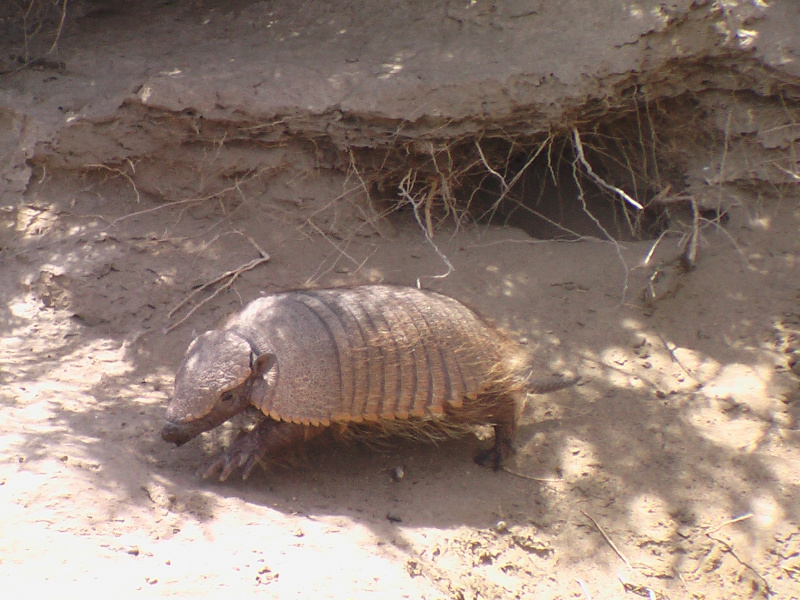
(621, 177)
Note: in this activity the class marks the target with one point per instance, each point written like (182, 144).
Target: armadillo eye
(226, 397)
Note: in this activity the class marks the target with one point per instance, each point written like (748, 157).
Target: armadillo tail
(546, 385)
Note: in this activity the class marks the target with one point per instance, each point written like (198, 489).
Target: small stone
(413, 568)
(794, 364)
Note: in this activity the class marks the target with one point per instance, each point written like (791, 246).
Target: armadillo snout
(175, 433)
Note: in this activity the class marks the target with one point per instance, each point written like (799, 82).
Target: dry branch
(231, 276)
(576, 139)
(582, 199)
(405, 187)
(121, 173)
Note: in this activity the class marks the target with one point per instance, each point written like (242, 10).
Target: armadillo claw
(250, 465)
(225, 465)
(232, 465)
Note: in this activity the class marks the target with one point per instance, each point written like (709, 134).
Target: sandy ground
(687, 419)
(671, 471)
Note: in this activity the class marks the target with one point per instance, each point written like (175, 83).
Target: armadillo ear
(261, 364)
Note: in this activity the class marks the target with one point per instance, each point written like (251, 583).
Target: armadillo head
(212, 385)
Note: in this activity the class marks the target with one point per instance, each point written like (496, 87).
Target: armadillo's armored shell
(368, 353)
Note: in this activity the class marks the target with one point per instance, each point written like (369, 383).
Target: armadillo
(373, 354)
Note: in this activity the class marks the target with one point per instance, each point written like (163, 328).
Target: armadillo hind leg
(504, 418)
(251, 448)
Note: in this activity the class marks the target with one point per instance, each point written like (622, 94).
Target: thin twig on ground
(584, 589)
(675, 358)
(531, 477)
(727, 547)
(640, 590)
(157, 208)
(608, 539)
(744, 517)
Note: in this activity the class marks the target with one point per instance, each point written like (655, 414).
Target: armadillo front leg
(250, 448)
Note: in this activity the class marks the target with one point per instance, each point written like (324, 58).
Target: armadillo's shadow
(400, 484)
(597, 442)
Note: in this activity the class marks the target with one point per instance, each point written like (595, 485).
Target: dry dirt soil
(166, 162)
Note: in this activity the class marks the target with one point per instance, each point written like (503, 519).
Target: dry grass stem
(675, 359)
(531, 477)
(507, 186)
(54, 46)
(502, 180)
(730, 239)
(649, 256)
(326, 266)
(744, 517)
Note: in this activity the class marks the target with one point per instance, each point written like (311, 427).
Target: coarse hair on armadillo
(505, 387)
